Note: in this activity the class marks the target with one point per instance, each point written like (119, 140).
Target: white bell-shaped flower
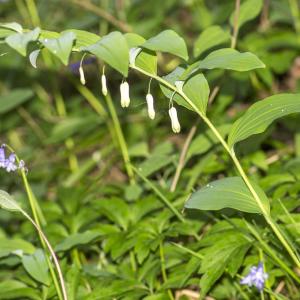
(124, 89)
(82, 77)
(150, 104)
(103, 84)
(174, 119)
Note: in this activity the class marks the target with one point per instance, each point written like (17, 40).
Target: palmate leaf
(229, 192)
(261, 114)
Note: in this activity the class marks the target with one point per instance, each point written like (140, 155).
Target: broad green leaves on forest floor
(230, 192)
(36, 266)
(261, 114)
(168, 41)
(113, 49)
(15, 246)
(13, 99)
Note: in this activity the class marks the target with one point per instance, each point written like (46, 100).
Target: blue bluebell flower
(2, 158)
(10, 163)
(256, 277)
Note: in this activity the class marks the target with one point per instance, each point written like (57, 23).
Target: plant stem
(36, 219)
(236, 24)
(120, 137)
(183, 153)
(163, 267)
(160, 195)
(45, 241)
(236, 162)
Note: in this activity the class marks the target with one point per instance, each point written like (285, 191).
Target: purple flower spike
(2, 158)
(256, 277)
(10, 163)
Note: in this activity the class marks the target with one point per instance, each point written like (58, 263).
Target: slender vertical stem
(34, 15)
(294, 7)
(45, 240)
(182, 157)
(235, 24)
(163, 267)
(36, 219)
(120, 137)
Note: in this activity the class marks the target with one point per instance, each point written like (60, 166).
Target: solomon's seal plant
(189, 85)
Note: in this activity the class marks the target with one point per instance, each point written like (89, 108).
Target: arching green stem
(236, 162)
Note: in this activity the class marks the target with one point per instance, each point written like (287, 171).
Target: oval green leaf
(113, 49)
(7, 202)
(61, 47)
(229, 192)
(229, 59)
(249, 10)
(210, 37)
(36, 265)
(19, 41)
(261, 114)
(168, 41)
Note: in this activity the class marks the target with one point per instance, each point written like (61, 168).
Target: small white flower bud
(82, 78)
(150, 104)
(124, 89)
(174, 119)
(103, 83)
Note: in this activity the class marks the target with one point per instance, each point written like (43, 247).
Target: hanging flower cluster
(125, 95)
(256, 277)
(9, 163)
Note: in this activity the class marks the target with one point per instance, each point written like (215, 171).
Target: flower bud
(150, 104)
(174, 119)
(81, 73)
(124, 89)
(103, 83)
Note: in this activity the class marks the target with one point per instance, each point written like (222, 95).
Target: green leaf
(147, 60)
(209, 38)
(168, 41)
(13, 99)
(36, 265)
(229, 192)
(13, 26)
(76, 240)
(249, 9)
(12, 289)
(61, 47)
(261, 114)
(19, 41)
(229, 59)
(226, 250)
(15, 246)
(84, 38)
(133, 40)
(197, 90)
(7, 202)
(113, 49)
